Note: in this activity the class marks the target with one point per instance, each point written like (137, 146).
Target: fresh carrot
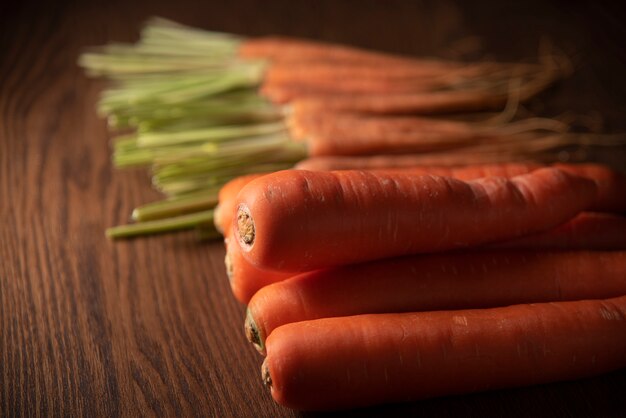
(415, 69)
(350, 86)
(444, 72)
(303, 220)
(291, 86)
(490, 87)
(480, 279)
(433, 102)
(611, 185)
(349, 134)
(356, 361)
(609, 182)
(305, 124)
(285, 49)
(376, 162)
(588, 230)
(225, 209)
(303, 67)
(246, 279)
(388, 104)
(352, 80)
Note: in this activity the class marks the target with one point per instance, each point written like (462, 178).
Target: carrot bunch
(421, 248)
(388, 285)
(199, 108)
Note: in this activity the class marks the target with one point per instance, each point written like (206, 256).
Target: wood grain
(89, 327)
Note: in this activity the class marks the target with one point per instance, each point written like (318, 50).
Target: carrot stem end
(245, 226)
(253, 333)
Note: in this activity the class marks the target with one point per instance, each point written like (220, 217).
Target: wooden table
(90, 327)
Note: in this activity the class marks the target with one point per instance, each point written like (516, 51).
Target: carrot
(305, 124)
(350, 134)
(388, 104)
(285, 49)
(303, 220)
(470, 172)
(611, 185)
(293, 90)
(295, 72)
(471, 99)
(228, 193)
(588, 230)
(483, 279)
(364, 360)
(293, 85)
(376, 162)
(225, 209)
(245, 279)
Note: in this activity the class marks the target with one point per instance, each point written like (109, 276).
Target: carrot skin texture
(246, 279)
(227, 201)
(364, 360)
(309, 220)
(611, 184)
(470, 280)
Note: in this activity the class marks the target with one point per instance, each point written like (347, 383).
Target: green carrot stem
(160, 226)
(176, 207)
(218, 133)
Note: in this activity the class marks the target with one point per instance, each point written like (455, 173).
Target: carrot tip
(265, 374)
(253, 334)
(245, 226)
(229, 265)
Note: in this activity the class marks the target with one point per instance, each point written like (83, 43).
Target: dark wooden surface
(90, 327)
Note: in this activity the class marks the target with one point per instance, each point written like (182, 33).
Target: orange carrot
(303, 220)
(303, 125)
(354, 135)
(376, 162)
(388, 104)
(299, 74)
(245, 279)
(588, 230)
(481, 279)
(225, 209)
(470, 172)
(294, 90)
(470, 99)
(364, 360)
(284, 49)
(611, 185)
(350, 134)
(343, 79)
(302, 73)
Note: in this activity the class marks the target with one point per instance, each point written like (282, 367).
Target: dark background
(89, 327)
